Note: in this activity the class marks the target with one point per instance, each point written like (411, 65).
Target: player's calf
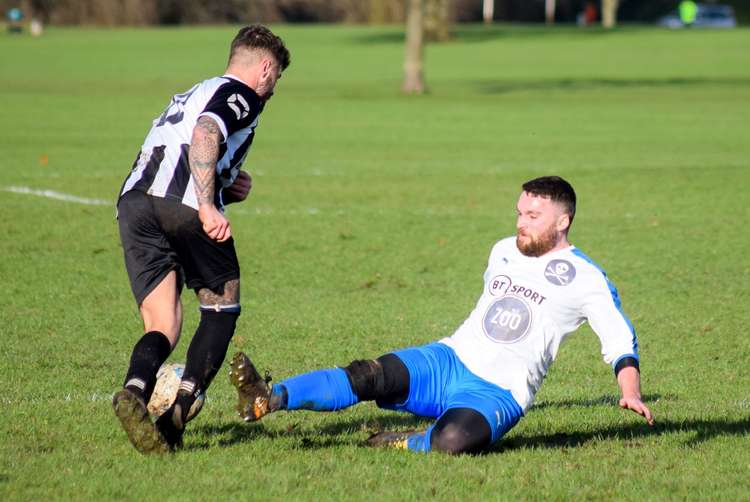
(149, 353)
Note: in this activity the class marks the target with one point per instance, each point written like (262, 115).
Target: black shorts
(160, 235)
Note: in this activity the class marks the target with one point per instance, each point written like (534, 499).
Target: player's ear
(563, 222)
(266, 67)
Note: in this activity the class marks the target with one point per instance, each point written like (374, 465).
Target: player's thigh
(149, 256)
(430, 373)
(207, 264)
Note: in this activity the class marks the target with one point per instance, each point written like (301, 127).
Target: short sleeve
(234, 106)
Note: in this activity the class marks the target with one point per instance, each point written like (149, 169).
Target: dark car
(707, 16)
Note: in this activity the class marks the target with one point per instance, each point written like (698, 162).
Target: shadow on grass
(492, 86)
(326, 436)
(607, 399)
(339, 433)
(477, 33)
(703, 430)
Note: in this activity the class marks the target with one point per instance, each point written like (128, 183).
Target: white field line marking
(51, 194)
(83, 397)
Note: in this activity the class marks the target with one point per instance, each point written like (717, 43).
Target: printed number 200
(507, 318)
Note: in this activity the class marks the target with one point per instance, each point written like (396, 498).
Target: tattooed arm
(203, 155)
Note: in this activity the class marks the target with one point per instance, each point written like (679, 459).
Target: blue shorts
(439, 381)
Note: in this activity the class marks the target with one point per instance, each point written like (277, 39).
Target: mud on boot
(135, 420)
(171, 431)
(253, 391)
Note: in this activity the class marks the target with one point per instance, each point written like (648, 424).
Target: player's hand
(215, 224)
(239, 190)
(636, 405)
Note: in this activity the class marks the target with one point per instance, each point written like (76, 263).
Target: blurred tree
(385, 11)
(436, 20)
(488, 11)
(549, 11)
(609, 13)
(137, 12)
(413, 78)
(376, 14)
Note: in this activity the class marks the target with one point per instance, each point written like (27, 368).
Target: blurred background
(170, 12)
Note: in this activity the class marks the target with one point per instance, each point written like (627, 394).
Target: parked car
(708, 16)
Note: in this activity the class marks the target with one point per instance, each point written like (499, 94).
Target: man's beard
(540, 246)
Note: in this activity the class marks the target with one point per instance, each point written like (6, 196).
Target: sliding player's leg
(382, 379)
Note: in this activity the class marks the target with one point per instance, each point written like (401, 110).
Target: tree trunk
(549, 11)
(609, 13)
(413, 79)
(376, 14)
(436, 20)
(488, 11)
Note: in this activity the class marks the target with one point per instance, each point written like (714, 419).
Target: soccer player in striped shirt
(478, 382)
(174, 231)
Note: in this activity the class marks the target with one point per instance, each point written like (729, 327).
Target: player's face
(540, 226)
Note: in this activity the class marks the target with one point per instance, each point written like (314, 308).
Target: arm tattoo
(229, 296)
(203, 155)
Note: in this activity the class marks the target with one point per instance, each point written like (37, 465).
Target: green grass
(368, 230)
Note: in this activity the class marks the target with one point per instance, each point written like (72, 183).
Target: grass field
(368, 230)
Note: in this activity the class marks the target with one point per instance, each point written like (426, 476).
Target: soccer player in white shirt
(174, 231)
(477, 383)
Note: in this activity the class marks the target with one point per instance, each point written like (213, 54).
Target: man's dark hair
(257, 36)
(555, 188)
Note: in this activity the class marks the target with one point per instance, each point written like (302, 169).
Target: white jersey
(528, 307)
(162, 168)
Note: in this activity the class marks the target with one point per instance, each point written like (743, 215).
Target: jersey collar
(235, 77)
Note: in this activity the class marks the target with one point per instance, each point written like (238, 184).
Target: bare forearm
(629, 380)
(203, 155)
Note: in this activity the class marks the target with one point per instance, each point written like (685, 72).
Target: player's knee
(366, 379)
(452, 439)
(461, 430)
(385, 379)
(224, 298)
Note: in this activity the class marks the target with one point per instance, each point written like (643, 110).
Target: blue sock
(420, 442)
(321, 390)
(279, 397)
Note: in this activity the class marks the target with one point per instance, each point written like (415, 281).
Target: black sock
(148, 354)
(206, 354)
(177, 414)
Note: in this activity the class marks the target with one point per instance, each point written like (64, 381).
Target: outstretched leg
(383, 379)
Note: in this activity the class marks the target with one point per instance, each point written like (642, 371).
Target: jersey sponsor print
(528, 306)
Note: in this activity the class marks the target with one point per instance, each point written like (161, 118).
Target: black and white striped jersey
(162, 168)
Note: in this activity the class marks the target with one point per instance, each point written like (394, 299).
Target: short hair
(257, 36)
(555, 188)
